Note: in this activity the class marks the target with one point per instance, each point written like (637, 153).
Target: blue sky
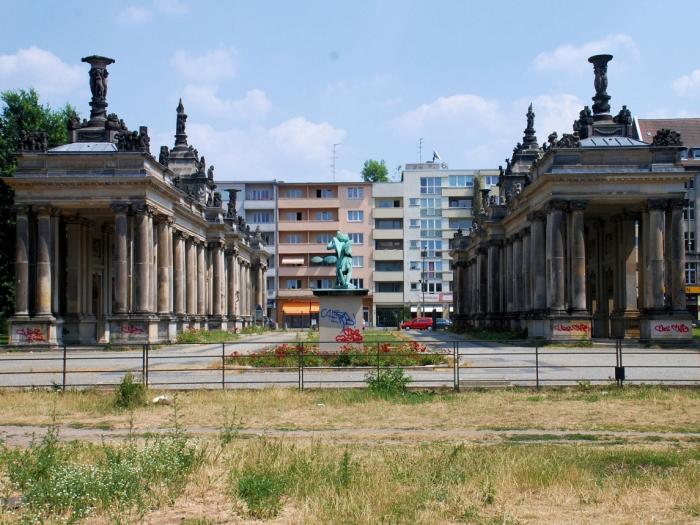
(269, 87)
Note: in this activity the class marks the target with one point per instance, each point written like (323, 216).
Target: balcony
(259, 205)
(388, 255)
(306, 271)
(388, 298)
(457, 192)
(302, 293)
(302, 247)
(387, 276)
(457, 213)
(388, 234)
(306, 226)
(387, 213)
(303, 204)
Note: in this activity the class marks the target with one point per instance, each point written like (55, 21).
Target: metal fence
(430, 364)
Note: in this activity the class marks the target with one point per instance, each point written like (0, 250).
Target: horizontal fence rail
(429, 363)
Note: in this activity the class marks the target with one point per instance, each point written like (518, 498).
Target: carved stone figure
(201, 167)
(667, 137)
(530, 117)
(210, 172)
(569, 140)
(552, 139)
(342, 245)
(73, 122)
(34, 141)
(624, 116)
(112, 122)
(217, 199)
(600, 82)
(164, 156)
(98, 82)
(144, 141)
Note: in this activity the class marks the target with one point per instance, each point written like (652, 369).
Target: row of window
(298, 284)
(321, 238)
(353, 193)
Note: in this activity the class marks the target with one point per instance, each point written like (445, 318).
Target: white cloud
(307, 140)
(173, 7)
(555, 112)
(134, 15)
(686, 84)
(42, 70)
(574, 59)
(212, 66)
(254, 105)
(461, 109)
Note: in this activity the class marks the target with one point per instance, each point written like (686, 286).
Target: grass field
(580, 455)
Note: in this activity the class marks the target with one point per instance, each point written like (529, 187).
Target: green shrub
(130, 392)
(388, 382)
(262, 492)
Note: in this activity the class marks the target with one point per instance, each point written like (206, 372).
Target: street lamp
(422, 281)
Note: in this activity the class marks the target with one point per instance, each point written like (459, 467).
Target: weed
(230, 429)
(262, 492)
(387, 382)
(130, 393)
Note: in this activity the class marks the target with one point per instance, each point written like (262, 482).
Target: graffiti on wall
(349, 335)
(130, 329)
(339, 317)
(671, 328)
(30, 335)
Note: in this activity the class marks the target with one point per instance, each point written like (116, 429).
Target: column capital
(578, 205)
(626, 216)
(143, 208)
(44, 210)
(557, 205)
(120, 207)
(538, 215)
(231, 252)
(656, 204)
(160, 217)
(525, 231)
(496, 243)
(217, 243)
(22, 209)
(677, 204)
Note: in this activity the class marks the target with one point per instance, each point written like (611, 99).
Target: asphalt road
(480, 364)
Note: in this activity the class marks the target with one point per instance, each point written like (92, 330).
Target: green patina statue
(342, 245)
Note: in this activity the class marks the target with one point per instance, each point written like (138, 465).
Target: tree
(375, 171)
(21, 111)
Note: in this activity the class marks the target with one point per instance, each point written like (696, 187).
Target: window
(689, 241)
(414, 244)
(413, 202)
(696, 153)
(268, 238)
(270, 283)
(433, 287)
(259, 195)
(261, 217)
(414, 223)
(414, 287)
(388, 287)
(491, 180)
(432, 249)
(356, 215)
(388, 266)
(430, 185)
(689, 211)
(293, 216)
(356, 193)
(358, 261)
(388, 203)
(388, 224)
(324, 216)
(324, 193)
(388, 244)
(461, 181)
(465, 224)
(293, 284)
(431, 270)
(460, 202)
(414, 265)
(358, 283)
(357, 238)
(431, 207)
(684, 153)
(691, 273)
(295, 193)
(294, 238)
(690, 184)
(322, 283)
(431, 228)
(323, 238)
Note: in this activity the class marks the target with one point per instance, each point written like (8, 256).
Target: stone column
(577, 299)
(627, 267)
(142, 261)
(526, 294)
(483, 279)
(677, 243)
(74, 266)
(201, 274)
(538, 261)
(179, 273)
(171, 265)
(191, 256)
(493, 267)
(43, 262)
(231, 283)
(218, 271)
(509, 275)
(120, 258)
(556, 256)
(516, 273)
(259, 300)
(655, 253)
(163, 268)
(22, 262)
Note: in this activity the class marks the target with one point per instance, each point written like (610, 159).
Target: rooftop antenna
(420, 150)
(334, 159)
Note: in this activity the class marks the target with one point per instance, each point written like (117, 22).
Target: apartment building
(256, 202)
(414, 221)
(309, 216)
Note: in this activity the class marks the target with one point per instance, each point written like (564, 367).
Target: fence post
(63, 380)
(455, 366)
(378, 365)
(300, 353)
(223, 366)
(537, 367)
(458, 380)
(148, 351)
(143, 365)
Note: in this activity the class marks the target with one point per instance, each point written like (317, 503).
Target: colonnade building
(116, 246)
(586, 238)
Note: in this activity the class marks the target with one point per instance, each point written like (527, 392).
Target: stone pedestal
(560, 328)
(666, 327)
(340, 317)
(135, 329)
(40, 331)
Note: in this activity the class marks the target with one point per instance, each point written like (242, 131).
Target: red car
(419, 323)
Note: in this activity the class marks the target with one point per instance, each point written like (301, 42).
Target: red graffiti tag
(31, 335)
(678, 328)
(575, 327)
(131, 329)
(349, 335)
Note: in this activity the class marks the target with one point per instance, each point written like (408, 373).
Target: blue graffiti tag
(340, 317)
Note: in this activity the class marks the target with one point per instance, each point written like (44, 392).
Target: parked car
(419, 323)
(442, 324)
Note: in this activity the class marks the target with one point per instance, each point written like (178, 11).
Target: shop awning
(300, 308)
(428, 308)
(292, 260)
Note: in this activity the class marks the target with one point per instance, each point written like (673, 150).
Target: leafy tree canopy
(375, 171)
(20, 111)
